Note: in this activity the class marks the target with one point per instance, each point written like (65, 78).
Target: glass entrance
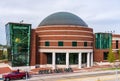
(73, 58)
(84, 58)
(60, 58)
(49, 58)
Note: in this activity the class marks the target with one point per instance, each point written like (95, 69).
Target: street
(86, 76)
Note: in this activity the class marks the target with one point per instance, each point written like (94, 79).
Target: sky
(101, 15)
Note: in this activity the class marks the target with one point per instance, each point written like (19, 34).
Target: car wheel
(7, 79)
(23, 77)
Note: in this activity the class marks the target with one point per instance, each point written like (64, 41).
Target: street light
(116, 72)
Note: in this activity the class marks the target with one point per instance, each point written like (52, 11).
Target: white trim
(115, 38)
(91, 58)
(66, 50)
(65, 26)
(63, 31)
(67, 60)
(65, 35)
(64, 41)
(65, 46)
(113, 42)
(53, 60)
(88, 60)
(115, 49)
(79, 60)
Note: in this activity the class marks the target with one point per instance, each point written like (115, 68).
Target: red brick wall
(43, 58)
(98, 53)
(65, 33)
(53, 35)
(33, 48)
(65, 27)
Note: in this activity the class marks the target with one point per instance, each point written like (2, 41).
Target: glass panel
(103, 40)
(85, 43)
(105, 55)
(60, 43)
(19, 43)
(73, 58)
(74, 43)
(60, 58)
(117, 44)
(49, 58)
(47, 43)
(84, 58)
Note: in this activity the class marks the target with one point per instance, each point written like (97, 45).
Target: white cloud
(99, 14)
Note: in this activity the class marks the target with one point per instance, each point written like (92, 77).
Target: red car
(15, 75)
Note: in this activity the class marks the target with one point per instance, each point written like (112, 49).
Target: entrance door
(49, 58)
(60, 58)
(84, 58)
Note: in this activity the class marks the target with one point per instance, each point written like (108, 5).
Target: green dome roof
(63, 18)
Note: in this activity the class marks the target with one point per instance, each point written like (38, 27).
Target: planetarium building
(62, 40)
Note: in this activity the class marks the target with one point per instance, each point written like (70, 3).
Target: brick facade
(99, 53)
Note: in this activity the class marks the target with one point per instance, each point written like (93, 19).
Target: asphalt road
(87, 76)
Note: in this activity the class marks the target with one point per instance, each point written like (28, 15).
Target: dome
(63, 18)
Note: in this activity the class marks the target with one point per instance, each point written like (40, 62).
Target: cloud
(98, 14)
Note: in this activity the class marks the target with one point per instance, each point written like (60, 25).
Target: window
(47, 43)
(49, 58)
(105, 55)
(60, 58)
(73, 58)
(60, 43)
(85, 43)
(116, 44)
(74, 43)
(84, 58)
(103, 40)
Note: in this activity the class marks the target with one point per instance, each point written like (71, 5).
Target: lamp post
(116, 72)
(26, 75)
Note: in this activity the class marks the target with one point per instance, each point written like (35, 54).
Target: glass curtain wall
(73, 58)
(103, 40)
(19, 42)
(49, 58)
(60, 58)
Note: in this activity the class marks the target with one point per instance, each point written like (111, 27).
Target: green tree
(119, 54)
(111, 57)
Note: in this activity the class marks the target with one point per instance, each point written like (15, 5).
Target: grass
(111, 68)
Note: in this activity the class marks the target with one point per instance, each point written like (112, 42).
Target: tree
(119, 54)
(111, 57)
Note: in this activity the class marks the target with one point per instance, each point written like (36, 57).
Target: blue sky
(101, 15)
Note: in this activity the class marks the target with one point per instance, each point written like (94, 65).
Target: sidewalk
(77, 72)
(72, 75)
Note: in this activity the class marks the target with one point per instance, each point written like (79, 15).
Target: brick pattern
(4, 70)
(62, 33)
(72, 36)
(53, 34)
(98, 53)
(33, 48)
(65, 27)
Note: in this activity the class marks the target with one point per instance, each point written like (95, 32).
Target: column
(67, 60)
(88, 60)
(79, 60)
(91, 58)
(53, 60)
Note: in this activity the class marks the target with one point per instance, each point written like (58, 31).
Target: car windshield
(14, 72)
